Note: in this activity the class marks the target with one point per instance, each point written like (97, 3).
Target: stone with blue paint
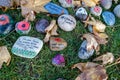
(109, 18)
(55, 9)
(83, 52)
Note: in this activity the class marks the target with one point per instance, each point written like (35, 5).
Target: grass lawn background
(41, 68)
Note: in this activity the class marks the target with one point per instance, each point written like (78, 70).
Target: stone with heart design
(57, 44)
(96, 10)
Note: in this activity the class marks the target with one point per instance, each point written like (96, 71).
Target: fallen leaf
(47, 37)
(91, 42)
(91, 3)
(50, 27)
(5, 56)
(105, 58)
(91, 71)
(54, 30)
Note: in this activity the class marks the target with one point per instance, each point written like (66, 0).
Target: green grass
(40, 67)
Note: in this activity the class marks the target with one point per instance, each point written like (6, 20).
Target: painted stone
(41, 25)
(57, 44)
(90, 28)
(58, 60)
(117, 11)
(27, 47)
(109, 18)
(55, 9)
(106, 3)
(6, 3)
(6, 24)
(81, 14)
(66, 22)
(66, 3)
(83, 53)
(23, 27)
(96, 10)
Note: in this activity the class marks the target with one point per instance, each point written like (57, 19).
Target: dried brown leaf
(91, 3)
(91, 71)
(54, 30)
(5, 56)
(91, 42)
(47, 37)
(50, 27)
(105, 58)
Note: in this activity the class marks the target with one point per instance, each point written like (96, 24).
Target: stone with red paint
(96, 10)
(57, 44)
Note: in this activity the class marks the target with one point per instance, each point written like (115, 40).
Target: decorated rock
(117, 11)
(55, 9)
(23, 27)
(106, 3)
(83, 53)
(6, 3)
(90, 28)
(81, 14)
(66, 22)
(66, 3)
(27, 47)
(6, 24)
(57, 44)
(58, 60)
(96, 10)
(109, 18)
(41, 25)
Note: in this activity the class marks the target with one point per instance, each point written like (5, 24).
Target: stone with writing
(57, 44)
(27, 47)
(67, 22)
(55, 9)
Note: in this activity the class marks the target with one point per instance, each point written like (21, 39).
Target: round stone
(66, 22)
(117, 11)
(27, 47)
(23, 27)
(96, 10)
(106, 3)
(83, 53)
(58, 60)
(66, 3)
(81, 14)
(41, 25)
(109, 18)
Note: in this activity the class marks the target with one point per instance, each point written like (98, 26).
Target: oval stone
(41, 25)
(109, 18)
(96, 10)
(58, 60)
(66, 22)
(83, 53)
(57, 44)
(117, 11)
(81, 14)
(106, 3)
(55, 9)
(27, 47)
(66, 3)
